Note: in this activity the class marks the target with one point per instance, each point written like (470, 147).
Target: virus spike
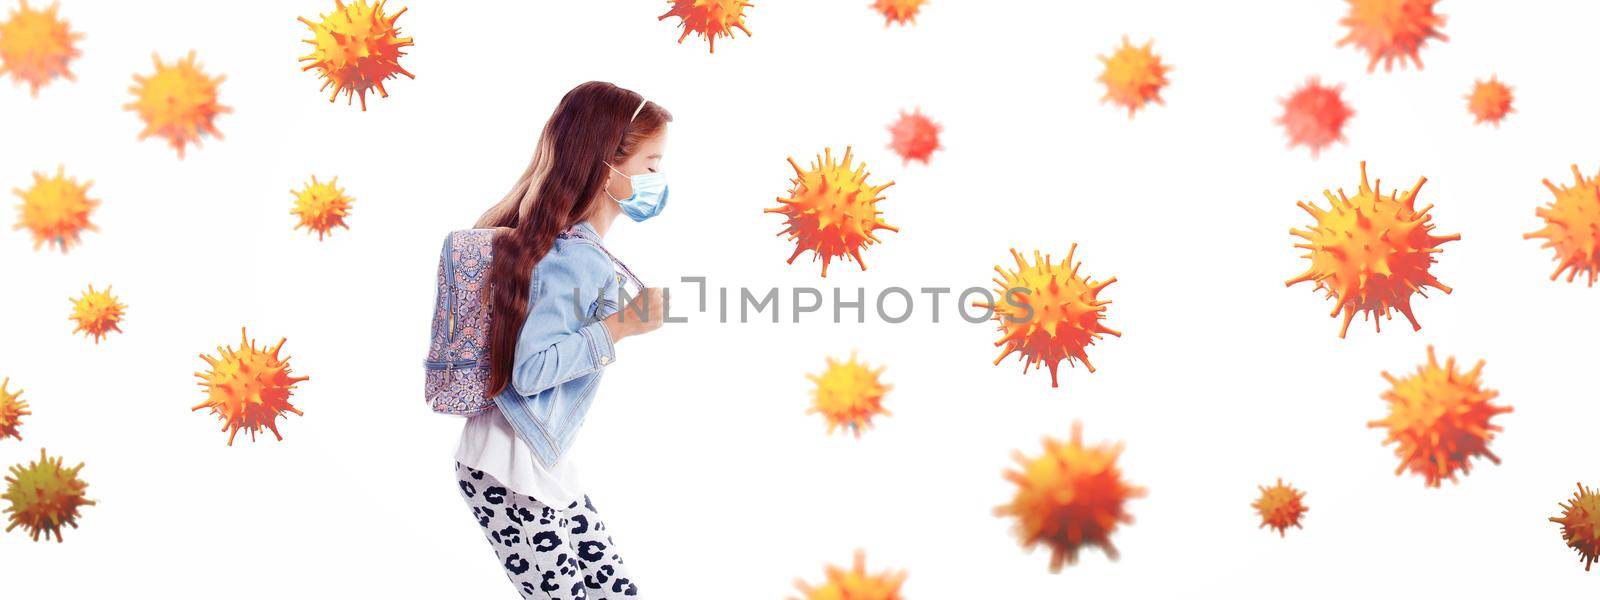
(1361, 265)
(1314, 116)
(1133, 76)
(96, 313)
(355, 48)
(248, 388)
(1391, 29)
(44, 497)
(1069, 497)
(321, 206)
(36, 47)
(709, 18)
(1057, 316)
(1280, 506)
(1440, 419)
(177, 102)
(1572, 226)
(855, 584)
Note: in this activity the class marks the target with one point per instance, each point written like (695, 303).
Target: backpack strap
(575, 232)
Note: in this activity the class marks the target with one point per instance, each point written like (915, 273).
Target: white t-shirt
(489, 444)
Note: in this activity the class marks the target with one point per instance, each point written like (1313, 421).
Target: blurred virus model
(1440, 419)
(1314, 116)
(35, 46)
(1370, 253)
(1490, 101)
(914, 137)
(898, 11)
(1069, 497)
(848, 395)
(1572, 226)
(12, 409)
(709, 18)
(96, 313)
(1133, 76)
(321, 206)
(355, 48)
(1280, 506)
(248, 388)
(1048, 312)
(56, 210)
(44, 497)
(831, 210)
(1391, 29)
(855, 584)
(1580, 525)
(177, 102)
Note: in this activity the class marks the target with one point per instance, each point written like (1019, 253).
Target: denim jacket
(562, 348)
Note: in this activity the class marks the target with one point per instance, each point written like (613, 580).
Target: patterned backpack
(458, 355)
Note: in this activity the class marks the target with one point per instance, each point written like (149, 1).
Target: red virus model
(248, 388)
(1280, 506)
(898, 11)
(1371, 252)
(1070, 497)
(1580, 525)
(1439, 417)
(1314, 116)
(178, 102)
(854, 584)
(1490, 101)
(1572, 226)
(1048, 312)
(12, 409)
(1391, 29)
(35, 47)
(1133, 76)
(355, 48)
(44, 496)
(96, 314)
(914, 137)
(832, 210)
(709, 18)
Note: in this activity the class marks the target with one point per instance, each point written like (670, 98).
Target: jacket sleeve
(558, 343)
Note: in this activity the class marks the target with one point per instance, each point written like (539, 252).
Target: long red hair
(590, 127)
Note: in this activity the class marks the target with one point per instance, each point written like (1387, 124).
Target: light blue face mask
(649, 195)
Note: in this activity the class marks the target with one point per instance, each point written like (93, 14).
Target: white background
(697, 451)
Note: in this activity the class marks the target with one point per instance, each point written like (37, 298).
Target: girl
(554, 326)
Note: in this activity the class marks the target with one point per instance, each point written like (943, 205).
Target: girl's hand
(643, 314)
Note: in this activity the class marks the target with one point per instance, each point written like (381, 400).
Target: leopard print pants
(549, 553)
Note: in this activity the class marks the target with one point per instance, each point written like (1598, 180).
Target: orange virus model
(1391, 29)
(914, 137)
(36, 46)
(1572, 226)
(1070, 497)
(1280, 506)
(1440, 419)
(1133, 76)
(56, 210)
(1372, 252)
(831, 210)
(44, 497)
(321, 206)
(898, 11)
(96, 313)
(1490, 101)
(12, 409)
(248, 388)
(1580, 525)
(177, 102)
(1048, 312)
(709, 18)
(1314, 116)
(355, 48)
(848, 395)
(854, 584)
